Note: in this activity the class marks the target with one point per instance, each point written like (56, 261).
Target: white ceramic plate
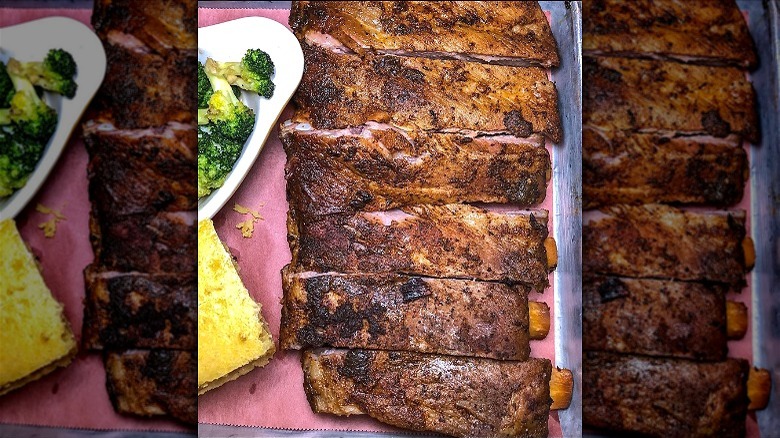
(228, 42)
(30, 42)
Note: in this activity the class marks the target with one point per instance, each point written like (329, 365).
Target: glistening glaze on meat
(662, 397)
(341, 90)
(668, 97)
(153, 382)
(124, 310)
(409, 313)
(451, 395)
(377, 167)
(697, 31)
(454, 240)
(654, 317)
(634, 168)
(658, 241)
(504, 32)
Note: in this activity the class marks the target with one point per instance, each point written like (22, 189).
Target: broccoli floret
(30, 115)
(216, 157)
(6, 87)
(204, 87)
(230, 117)
(252, 73)
(55, 73)
(18, 157)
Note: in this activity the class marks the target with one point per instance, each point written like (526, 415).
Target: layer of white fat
(387, 218)
(127, 41)
(189, 218)
(326, 42)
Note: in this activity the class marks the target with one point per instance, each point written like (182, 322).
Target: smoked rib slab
(636, 168)
(341, 90)
(664, 397)
(658, 241)
(453, 240)
(409, 313)
(654, 317)
(446, 394)
(668, 97)
(376, 167)
(153, 382)
(493, 31)
(696, 31)
(123, 310)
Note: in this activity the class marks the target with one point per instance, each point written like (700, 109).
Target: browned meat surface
(664, 397)
(145, 89)
(454, 240)
(634, 168)
(139, 310)
(451, 395)
(376, 167)
(340, 90)
(142, 171)
(162, 25)
(656, 241)
(647, 95)
(153, 382)
(698, 31)
(504, 32)
(139, 130)
(399, 312)
(654, 317)
(160, 243)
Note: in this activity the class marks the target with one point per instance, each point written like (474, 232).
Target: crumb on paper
(49, 227)
(247, 227)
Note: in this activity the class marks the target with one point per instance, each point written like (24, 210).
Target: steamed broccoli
(252, 73)
(6, 87)
(55, 73)
(204, 87)
(230, 117)
(18, 158)
(29, 114)
(216, 157)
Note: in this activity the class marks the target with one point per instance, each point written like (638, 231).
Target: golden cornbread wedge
(233, 337)
(34, 333)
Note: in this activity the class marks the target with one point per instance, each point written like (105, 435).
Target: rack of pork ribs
(141, 302)
(667, 107)
(410, 303)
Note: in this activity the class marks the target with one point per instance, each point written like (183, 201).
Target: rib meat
(153, 382)
(634, 168)
(657, 241)
(453, 240)
(142, 88)
(341, 90)
(377, 167)
(665, 397)
(697, 31)
(124, 310)
(654, 317)
(409, 313)
(451, 395)
(689, 99)
(504, 32)
(141, 171)
(162, 243)
(164, 26)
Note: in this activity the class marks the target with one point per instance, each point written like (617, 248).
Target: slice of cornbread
(233, 337)
(35, 337)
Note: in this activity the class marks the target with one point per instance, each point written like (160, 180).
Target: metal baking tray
(764, 25)
(566, 20)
